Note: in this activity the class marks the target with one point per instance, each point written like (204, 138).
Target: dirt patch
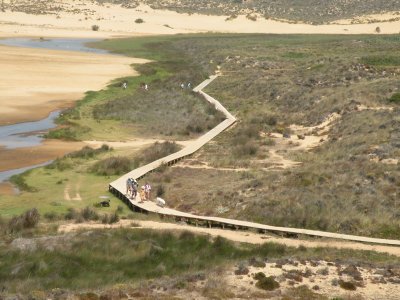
(237, 236)
(7, 189)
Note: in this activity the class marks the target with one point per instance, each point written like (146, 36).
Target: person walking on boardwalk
(134, 186)
(128, 187)
(142, 194)
(147, 189)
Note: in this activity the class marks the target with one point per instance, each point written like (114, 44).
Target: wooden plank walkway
(118, 188)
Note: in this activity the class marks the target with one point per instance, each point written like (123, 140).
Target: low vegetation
(153, 104)
(27, 220)
(273, 82)
(99, 260)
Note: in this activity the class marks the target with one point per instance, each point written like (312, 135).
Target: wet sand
(23, 157)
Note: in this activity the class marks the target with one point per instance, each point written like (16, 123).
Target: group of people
(132, 190)
(188, 85)
(143, 86)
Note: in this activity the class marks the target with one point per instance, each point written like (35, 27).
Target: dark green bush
(347, 285)
(267, 283)
(395, 98)
(259, 276)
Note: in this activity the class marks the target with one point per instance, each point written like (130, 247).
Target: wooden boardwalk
(118, 188)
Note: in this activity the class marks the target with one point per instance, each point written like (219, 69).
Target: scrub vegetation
(348, 183)
(36, 262)
(163, 109)
(272, 82)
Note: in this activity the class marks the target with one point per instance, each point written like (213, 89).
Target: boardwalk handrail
(118, 187)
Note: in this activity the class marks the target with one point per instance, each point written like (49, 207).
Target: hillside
(308, 11)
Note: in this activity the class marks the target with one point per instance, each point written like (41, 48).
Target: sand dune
(115, 20)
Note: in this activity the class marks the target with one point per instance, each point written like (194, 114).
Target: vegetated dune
(69, 18)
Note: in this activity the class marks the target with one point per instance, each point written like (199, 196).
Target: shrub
(267, 283)
(88, 152)
(243, 150)
(110, 218)
(139, 21)
(29, 219)
(242, 269)
(19, 181)
(61, 165)
(395, 98)
(156, 151)
(347, 285)
(112, 166)
(51, 216)
(251, 17)
(89, 214)
(160, 190)
(95, 27)
(114, 218)
(259, 276)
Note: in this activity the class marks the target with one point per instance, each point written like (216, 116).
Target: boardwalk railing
(118, 188)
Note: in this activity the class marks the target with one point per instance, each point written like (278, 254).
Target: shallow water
(28, 134)
(4, 176)
(54, 44)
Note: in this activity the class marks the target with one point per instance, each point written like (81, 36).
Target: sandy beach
(34, 82)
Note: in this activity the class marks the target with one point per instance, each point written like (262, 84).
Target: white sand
(115, 20)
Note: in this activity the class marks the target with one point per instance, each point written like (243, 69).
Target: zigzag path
(118, 188)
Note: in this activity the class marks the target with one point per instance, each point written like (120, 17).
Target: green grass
(395, 98)
(382, 60)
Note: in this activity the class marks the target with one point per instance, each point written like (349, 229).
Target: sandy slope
(115, 20)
